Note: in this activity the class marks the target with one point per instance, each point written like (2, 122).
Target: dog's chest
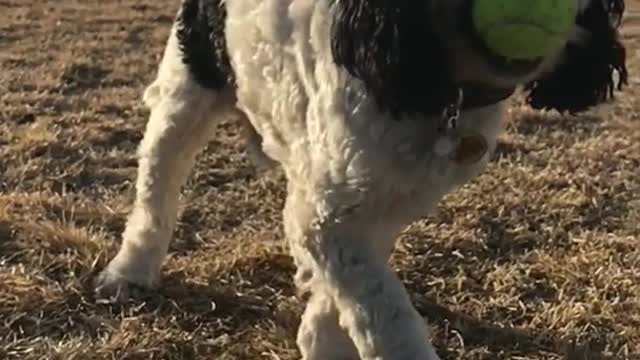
(320, 123)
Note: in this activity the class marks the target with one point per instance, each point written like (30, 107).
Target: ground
(536, 259)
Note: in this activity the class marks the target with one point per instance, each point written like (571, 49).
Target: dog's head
(413, 54)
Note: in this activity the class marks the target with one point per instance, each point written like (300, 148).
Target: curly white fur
(355, 177)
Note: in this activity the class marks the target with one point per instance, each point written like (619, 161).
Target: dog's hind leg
(186, 101)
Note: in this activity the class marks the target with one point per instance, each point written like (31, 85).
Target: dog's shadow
(532, 123)
(191, 304)
(455, 330)
(480, 333)
(213, 303)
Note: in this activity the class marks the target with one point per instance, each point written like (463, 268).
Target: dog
(374, 109)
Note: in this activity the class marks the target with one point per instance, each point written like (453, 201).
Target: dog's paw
(115, 286)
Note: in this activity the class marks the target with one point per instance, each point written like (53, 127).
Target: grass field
(536, 259)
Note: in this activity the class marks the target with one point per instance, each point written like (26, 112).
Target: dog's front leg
(320, 336)
(342, 267)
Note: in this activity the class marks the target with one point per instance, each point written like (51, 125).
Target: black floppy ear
(389, 46)
(586, 76)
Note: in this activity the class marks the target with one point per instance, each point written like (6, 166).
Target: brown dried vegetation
(536, 259)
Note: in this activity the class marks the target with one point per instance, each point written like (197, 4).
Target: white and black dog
(374, 109)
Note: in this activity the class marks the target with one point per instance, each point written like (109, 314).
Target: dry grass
(536, 259)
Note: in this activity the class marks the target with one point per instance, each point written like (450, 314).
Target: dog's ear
(389, 46)
(585, 76)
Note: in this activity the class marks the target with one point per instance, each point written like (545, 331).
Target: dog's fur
(346, 96)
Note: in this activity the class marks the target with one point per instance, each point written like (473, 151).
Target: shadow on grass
(537, 122)
(480, 333)
(236, 299)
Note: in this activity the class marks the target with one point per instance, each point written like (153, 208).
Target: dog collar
(475, 95)
(465, 148)
(470, 96)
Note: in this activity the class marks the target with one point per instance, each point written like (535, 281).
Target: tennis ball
(524, 29)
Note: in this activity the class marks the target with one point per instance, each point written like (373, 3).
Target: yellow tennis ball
(524, 29)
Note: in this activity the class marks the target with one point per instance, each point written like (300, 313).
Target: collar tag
(461, 148)
(451, 113)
